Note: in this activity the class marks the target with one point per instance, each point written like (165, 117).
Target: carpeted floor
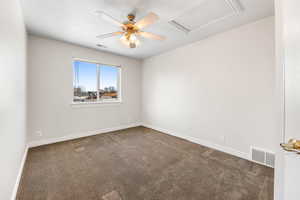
(140, 164)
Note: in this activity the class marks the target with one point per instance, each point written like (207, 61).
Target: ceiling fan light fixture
(130, 41)
(132, 29)
(132, 38)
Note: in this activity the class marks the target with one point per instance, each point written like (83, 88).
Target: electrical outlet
(39, 133)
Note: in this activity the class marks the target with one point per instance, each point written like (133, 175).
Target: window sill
(95, 104)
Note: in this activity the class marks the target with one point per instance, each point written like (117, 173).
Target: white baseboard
(15, 191)
(202, 142)
(80, 135)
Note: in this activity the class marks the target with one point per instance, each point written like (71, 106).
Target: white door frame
(280, 99)
(287, 22)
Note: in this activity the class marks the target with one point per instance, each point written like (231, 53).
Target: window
(94, 82)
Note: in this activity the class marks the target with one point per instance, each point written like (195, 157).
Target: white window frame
(99, 101)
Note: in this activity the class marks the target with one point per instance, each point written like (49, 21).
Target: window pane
(85, 82)
(108, 82)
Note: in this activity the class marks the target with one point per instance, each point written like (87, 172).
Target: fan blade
(110, 19)
(146, 21)
(151, 35)
(107, 35)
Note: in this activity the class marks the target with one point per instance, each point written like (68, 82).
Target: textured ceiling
(75, 21)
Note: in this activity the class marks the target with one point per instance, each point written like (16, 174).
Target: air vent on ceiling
(263, 157)
(101, 46)
(207, 12)
(179, 26)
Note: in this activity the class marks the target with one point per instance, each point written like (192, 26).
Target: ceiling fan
(132, 29)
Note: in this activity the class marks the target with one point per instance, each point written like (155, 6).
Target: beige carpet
(140, 164)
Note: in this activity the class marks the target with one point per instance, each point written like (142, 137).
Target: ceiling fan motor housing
(130, 27)
(131, 17)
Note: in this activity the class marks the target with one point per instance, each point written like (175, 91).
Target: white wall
(219, 90)
(13, 94)
(50, 91)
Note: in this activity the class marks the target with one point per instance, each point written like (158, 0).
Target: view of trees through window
(95, 82)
